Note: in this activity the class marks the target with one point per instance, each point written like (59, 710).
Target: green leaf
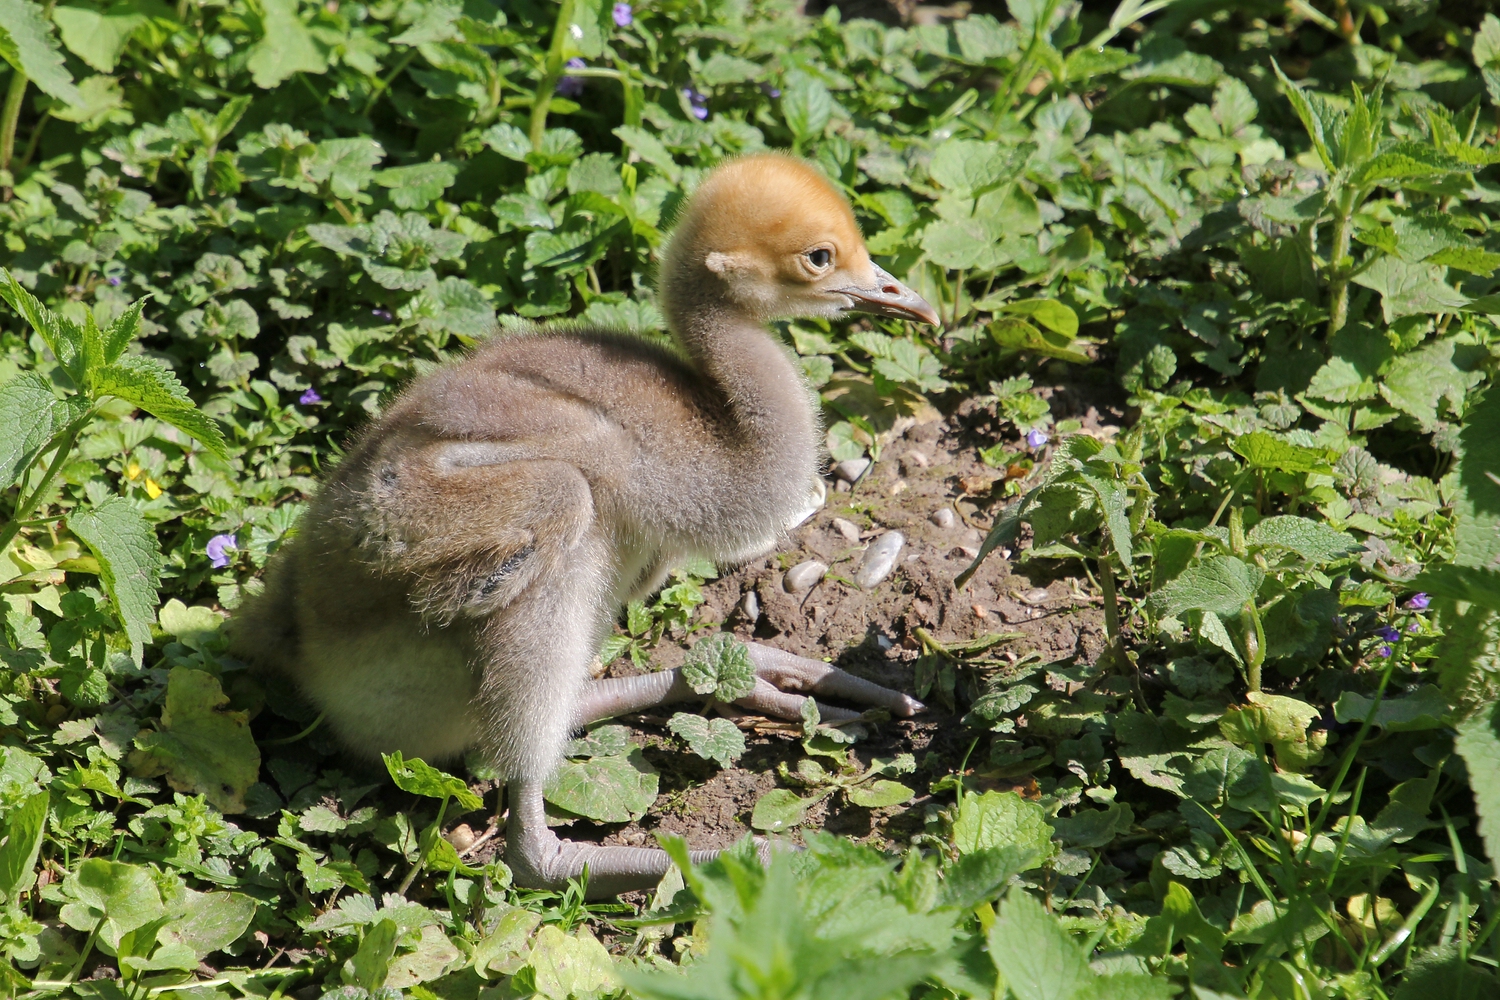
(879, 794)
(1020, 335)
(998, 819)
(913, 366)
(23, 842)
(1316, 542)
(720, 666)
(30, 416)
(122, 895)
(1280, 721)
(122, 331)
(780, 809)
(980, 876)
(963, 244)
(807, 106)
(570, 965)
(1314, 113)
(420, 778)
(129, 563)
(1417, 382)
(1477, 504)
(712, 739)
(1410, 289)
(151, 385)
(1479, 745)
(371, 964)
(1266, 451)
(63, 337)
(601, 741)
(287, 48)
(615, 789)
(1471, 259)
(1094, 827)
(966, 165)
(208, 921)
(1425, 708)
(202, 747)
(1113, 503)
(649, 148)
(415, 186)
(1036, 957)
(98, 37)
(1053, 315)
(1220, 584)
(26, 43)
(1405, 161)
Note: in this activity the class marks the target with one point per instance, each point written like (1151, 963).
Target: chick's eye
(819, 258)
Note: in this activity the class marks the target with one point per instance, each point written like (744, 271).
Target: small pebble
(980, 611)
(803, 575)
(879, 559)
(846, 530)
(883, 642)
(897, 488)
(461, 836)
(841, 487)
(917, 459)
(851, 470)
(942, 517)
(819, 614)
(1037, 596)
(750, 607)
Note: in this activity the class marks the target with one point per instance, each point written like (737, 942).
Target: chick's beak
(889, 297)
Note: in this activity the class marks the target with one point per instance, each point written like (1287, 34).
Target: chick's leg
(782, 681)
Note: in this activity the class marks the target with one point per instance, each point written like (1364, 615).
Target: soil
(931, 465)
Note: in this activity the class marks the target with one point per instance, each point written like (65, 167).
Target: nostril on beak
(891, 290)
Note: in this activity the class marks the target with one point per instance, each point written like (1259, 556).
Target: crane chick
(454, 579)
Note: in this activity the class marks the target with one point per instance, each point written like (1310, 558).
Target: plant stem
(552, 71)
(25, 507)
(1111, 608)
(9, 118)
(1338, 274)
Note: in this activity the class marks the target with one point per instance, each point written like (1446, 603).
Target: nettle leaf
(1219, 584)
(614, 789)
(26, 42)
(63, 337)
(418, 777)
(152, 386)
(202, 747)
(601, 741)
(1405, 161)
(1316, 542)
(967, 165)
(1417, 382)
(1035, 955)
(720, 666)
(712, 739)
(419, 184)
(1000, 819)
(1266, 451)
(287, 48)
(1410, 289)
(129, 563)
(806, 105)
(30, 416)
(912, 365)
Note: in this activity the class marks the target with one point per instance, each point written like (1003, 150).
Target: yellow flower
(133, 470)
(153, 490)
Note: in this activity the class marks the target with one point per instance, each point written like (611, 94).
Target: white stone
(879, 559)
(846, 530)
(851, 470)
(802, 576)
(942, 517)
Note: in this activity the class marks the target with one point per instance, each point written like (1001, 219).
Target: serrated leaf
(712, 739)
(1266, 451)
(63, 337)
(1220, 584)
(615, 789)
(1405, 161)
(26, 43)
(129, 563)
(601, 741)
(152, 386)
(413, 187)
(720, 666)
(1316, 542)
(418, 777)
(287, 48)
(30, 415)
(507, 140)
(997, 819)
(1471, 259)
(806, 105)
(1036, 957)
(202, 747)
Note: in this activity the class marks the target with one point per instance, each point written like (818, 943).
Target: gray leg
(539, 859)
(780, 676)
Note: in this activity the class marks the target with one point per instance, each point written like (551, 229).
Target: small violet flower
(218, 550)
(1384, 651)
(310, 397)
(1036, 438)
(770, 91)
(114, 282)
(384, 314)
(1419, 602)
(571, 86)
(624, 15)
(1389, 634)
(697, 102)
(1414, 628)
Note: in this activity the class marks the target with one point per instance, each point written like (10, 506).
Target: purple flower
(218, 550)
(623, 14)
(114, 282)
(384, 314)
(697, 102)
(309, 397)
(770, 91)
(1419, 602)
(1389, 634)
(1384, 651)
(1414, 628)
(572, 86)
(1036, 438)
